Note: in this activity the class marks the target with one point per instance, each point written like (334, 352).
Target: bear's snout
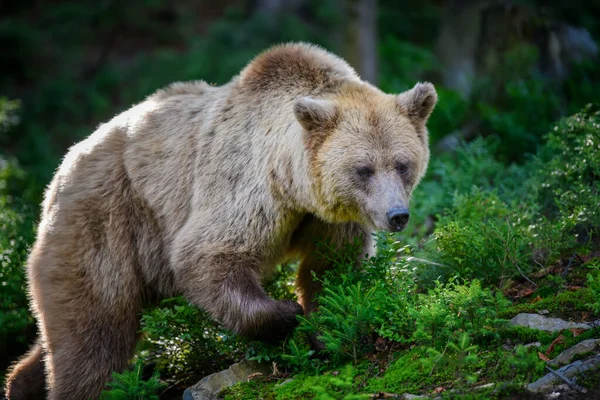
(397, 218)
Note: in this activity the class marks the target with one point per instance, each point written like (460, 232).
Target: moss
(524, 335)
(337, 383)
(408, 374)
(249, 391)
(562, 305)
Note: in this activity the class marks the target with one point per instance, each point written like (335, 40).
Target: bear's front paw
(282, 323)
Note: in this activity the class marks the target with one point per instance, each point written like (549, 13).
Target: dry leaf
(275, 369)
(577, 331)
(524, 293)
(538, 298)
(543, 357)
(556, 341)
(439, 390)
(254, 376)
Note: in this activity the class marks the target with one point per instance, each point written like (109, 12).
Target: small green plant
(459, 356)
(338, 387)
(129, 385)
(346, 317)
(526, 363)
(358, 300)
(593, 281)
(298, 353)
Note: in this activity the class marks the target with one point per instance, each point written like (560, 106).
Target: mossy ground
(402, 370)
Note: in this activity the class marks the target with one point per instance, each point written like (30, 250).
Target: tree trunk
(359, 31)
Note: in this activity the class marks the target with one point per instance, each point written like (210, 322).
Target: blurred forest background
(508, 210)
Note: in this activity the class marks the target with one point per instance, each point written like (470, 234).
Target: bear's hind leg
(80, 361)
(27, 379)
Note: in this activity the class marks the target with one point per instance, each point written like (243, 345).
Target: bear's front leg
(226, 283)
(337, 237)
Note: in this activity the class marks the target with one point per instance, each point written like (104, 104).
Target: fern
(129, 385)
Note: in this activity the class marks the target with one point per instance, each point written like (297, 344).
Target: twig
(566, 271)
(440, 358)
(424, 261)
(569, 382)
(174, 384)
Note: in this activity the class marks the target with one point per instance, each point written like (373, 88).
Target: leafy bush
(16, 225)
(496, 223)
(483, 238)
(473, 165)
(451, 308)
(568, 170)
(184, 338)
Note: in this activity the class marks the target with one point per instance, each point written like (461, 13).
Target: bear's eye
(402, 168)
(365, 171)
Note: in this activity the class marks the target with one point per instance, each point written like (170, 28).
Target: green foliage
(482, 238)
(473, 165)
(298, 354)
(490, 222)
(569, 172)
(526, 362)
(338, 384)
(561, 305)
(459, 357)
(516, 103)
(501, 223)
(183, 338)
(340, 387)
(379, 298)
(593, 282)
(16, 225)
(450, 308)
(129, 385)
(347, 314)
(406, 374)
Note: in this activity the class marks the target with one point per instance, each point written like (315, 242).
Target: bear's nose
(397, 218)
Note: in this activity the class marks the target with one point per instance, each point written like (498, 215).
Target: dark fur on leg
(283, 324)
(27, 379)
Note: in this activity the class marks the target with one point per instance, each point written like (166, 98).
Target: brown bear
(202, 190)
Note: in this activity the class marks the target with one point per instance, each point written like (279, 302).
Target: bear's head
(367, 151)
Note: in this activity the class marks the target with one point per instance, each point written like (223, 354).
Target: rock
(543, 312)
(549, 381)
(580, 348)
(536, 321)
(288, 380)
(534, 344)
(210, 386)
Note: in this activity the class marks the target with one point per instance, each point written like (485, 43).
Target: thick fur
(202, 190)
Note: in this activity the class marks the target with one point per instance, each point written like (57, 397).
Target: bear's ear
(316, 114)
(418, 102)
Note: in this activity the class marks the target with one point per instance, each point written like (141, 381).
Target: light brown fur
(202, 190)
